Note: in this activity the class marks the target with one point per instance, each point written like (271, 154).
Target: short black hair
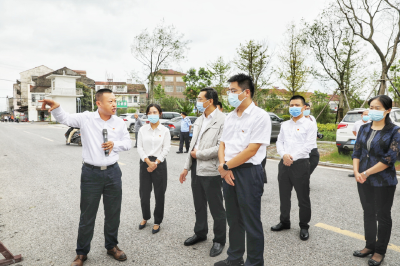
(211, 94)
(153, 105)
(220, 104)
(184, 113)
(244, 81)
(298, 97)
(100, 93)
(307, 104)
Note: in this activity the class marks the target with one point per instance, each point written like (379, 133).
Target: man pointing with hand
(101, 174)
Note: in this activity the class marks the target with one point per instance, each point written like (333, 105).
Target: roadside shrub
(285, 117)
(327, 127)
(131, 110)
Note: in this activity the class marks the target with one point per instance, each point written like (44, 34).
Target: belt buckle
(103, 168)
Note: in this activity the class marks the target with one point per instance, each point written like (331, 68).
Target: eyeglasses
(232, 91)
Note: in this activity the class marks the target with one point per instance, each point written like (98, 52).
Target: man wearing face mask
(314, 154)
(186, 126)
(247, 133)
(296, 139)
(206, 180)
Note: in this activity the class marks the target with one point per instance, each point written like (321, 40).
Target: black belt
(245, 165)
(100, 167)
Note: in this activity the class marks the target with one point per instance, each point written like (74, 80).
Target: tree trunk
(341, 108)
(382, 88)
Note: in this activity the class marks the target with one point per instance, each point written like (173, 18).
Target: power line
(8, 80)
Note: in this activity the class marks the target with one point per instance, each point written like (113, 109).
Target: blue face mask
(233, 99)
(365, 118)
(306, 112)
(200, 107)
(376, 115)
(153, 118)
(295, 111)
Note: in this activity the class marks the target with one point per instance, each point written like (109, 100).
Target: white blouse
(155, 142)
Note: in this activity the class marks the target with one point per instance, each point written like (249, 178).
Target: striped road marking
(47, 139)
(351, 234)
(121, 163)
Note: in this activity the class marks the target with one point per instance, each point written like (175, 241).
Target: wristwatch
(156, 162)
(225, 166)
(365, 173)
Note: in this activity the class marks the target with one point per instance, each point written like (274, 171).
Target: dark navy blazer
(384, 148)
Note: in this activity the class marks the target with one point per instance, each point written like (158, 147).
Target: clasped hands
(287, 159)
(151, 165)
(360, 177)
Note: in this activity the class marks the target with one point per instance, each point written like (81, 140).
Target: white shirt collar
(248, 109)
(159, 127)
(210, 115)
(301, 120)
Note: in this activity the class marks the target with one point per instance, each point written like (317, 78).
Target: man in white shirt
(314, 154)
(364, 119)
(247, 133)
(295, 141)
(206, 180)
(101, 175)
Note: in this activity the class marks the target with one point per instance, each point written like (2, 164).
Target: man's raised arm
(72, 120)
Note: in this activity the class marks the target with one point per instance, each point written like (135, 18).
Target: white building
(134, 94)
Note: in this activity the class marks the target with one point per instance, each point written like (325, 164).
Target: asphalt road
(39, 210)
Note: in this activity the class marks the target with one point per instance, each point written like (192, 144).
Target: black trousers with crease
(158, 180)
(298, 176)
(184, 137)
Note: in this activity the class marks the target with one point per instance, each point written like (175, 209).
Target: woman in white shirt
(154, 142)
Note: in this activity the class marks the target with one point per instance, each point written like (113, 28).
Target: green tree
(168, 104)
(195, 81)
(272, 102)
(184, 106)
(86, 100)
(319, 101)
(159, 92)
(158, 49)
(220, 71)
(253, 58)
(293, 70)
(338, 53)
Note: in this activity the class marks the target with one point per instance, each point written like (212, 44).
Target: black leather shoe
(304, 234)
(358, 253)
(238, 262)
(372, 262)
(193, 240)
(216, 249)
(179, 152)
(141, 226)
(280, 227)
(156, 231)
(351, 175)
(186, 151)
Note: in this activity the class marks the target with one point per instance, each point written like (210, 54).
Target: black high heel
(141, 226)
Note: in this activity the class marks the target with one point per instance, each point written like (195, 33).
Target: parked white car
(129, 120)
(345, 138)
(166, 116)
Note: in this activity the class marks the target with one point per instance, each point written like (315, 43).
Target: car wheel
(132, 128)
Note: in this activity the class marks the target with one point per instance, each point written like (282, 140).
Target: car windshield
(352, 117)
(122, 116)
(176, 119)
(144, 117)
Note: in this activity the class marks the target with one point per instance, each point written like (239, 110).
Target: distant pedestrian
(154, 142)
(186, 126)
(374, 157)
(138, 125)
(314, 154)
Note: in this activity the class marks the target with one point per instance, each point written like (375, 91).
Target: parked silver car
(275, 125)
(174, 125)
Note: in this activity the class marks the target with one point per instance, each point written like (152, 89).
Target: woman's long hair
(387, 103)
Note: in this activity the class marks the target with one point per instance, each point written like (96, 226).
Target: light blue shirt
(185, 124)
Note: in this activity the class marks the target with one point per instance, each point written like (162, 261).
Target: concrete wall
(65, 82)
(67, 103)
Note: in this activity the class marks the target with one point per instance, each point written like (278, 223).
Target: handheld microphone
(105, 139)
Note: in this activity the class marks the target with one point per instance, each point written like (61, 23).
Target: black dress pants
(183, 137)
(377, 204)
(94, 183)
(208, 189)
(158, 180)
(314, 160)
(136, 137)
(298, 176)
(243, 213)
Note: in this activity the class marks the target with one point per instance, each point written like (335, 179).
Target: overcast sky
(96, 35)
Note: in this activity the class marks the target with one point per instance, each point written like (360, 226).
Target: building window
(120, 89)
(158, 78)
(33, 98)
(169, 78)
(129, 99)
(179, 79)
(135, 99)
(169, 89)
(180, 88)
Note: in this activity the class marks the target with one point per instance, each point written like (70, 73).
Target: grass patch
(337, 158)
